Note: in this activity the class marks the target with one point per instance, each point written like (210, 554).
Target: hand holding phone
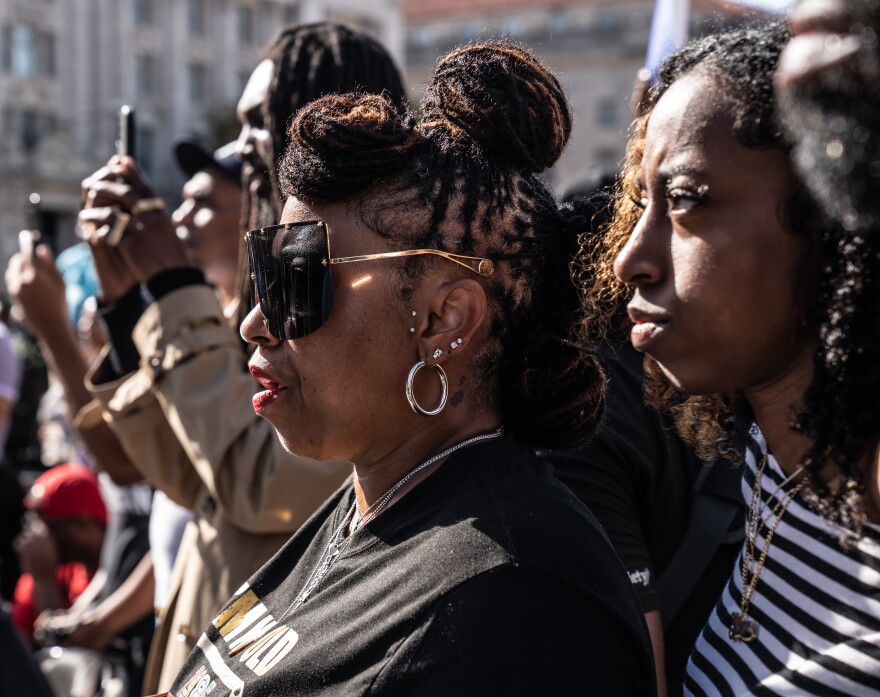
(126, 144)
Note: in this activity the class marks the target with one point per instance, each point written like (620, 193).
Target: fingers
(111, 193)
(26, 240)
(129, 169)
(104, 225)
(43, 254)
(120, 183)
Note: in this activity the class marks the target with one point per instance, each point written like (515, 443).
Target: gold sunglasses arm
(479, 265)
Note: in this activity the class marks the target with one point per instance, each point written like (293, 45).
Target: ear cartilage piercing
(437, 353)
(453, 346)
(458, 342)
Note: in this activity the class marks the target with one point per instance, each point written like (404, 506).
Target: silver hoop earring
(410, 397)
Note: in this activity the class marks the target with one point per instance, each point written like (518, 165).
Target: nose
(255, 330)
(641, 261)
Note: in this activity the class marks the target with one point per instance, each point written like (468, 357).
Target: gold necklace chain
(742, 627)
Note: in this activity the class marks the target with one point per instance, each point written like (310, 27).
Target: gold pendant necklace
(742, 627)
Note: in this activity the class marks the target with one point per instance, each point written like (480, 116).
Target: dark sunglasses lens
(290, 269)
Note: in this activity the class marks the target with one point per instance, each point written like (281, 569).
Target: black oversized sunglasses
(290, 270)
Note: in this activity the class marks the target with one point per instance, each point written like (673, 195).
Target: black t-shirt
(638, 477)
(489, 577)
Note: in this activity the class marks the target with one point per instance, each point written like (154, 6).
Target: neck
(375, 476)
(774, 405)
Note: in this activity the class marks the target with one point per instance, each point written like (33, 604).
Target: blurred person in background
(60, 547)
(41, 294)
(10, 378)
(173, 383)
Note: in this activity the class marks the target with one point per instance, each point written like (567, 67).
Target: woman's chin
(692, 383)
(303, 447)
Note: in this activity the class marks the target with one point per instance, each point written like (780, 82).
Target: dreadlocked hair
(840, 409)
(310, 61)
(313, 60)
(462, 176)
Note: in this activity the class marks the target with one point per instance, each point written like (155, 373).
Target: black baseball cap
(193, 158)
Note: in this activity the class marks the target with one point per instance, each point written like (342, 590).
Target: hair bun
(345, 142)
(504, 99)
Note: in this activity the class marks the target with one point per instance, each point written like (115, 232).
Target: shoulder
(506, 630)
(539, 523)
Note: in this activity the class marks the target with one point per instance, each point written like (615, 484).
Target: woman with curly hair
(415, 317)
(739, 296)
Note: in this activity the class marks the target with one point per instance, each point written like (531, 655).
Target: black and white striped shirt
(816, 605)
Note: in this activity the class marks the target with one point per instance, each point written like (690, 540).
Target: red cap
(67, 491)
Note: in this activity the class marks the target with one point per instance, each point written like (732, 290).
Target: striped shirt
(817, 608)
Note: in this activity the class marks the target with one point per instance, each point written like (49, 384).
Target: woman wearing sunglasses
(739, 297)
(414, 317)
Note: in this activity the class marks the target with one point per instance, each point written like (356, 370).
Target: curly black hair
(840, 409)
(463, 176)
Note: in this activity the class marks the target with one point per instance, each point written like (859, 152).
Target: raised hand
(37, 288)
(131, 236)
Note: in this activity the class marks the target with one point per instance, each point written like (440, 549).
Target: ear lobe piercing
(437, 353)
(455, 344)
(412, 330)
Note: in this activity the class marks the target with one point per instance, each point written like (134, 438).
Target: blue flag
(671, 20)
(669, 32)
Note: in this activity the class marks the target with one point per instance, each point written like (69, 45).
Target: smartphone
(126, 138)
(126, 146)
(33, 216)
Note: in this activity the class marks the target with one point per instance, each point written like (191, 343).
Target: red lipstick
(273, 389)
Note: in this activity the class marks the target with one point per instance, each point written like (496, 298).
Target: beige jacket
(185, 419)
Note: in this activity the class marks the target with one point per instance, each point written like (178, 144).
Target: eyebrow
(681, 169)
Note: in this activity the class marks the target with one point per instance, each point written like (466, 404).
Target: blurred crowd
(371, 411)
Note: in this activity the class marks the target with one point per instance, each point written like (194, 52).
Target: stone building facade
(66, 66)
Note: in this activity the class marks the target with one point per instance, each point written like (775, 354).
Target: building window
(513, 26)
(422, 36)
(558, 23)
(607, 116)
(145, 75)
(247, 26)
(197, 17)
(24, 50)
(198, 83)
(29, 133)
(144, 13)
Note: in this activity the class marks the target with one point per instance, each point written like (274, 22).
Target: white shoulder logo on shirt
(642, 577)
